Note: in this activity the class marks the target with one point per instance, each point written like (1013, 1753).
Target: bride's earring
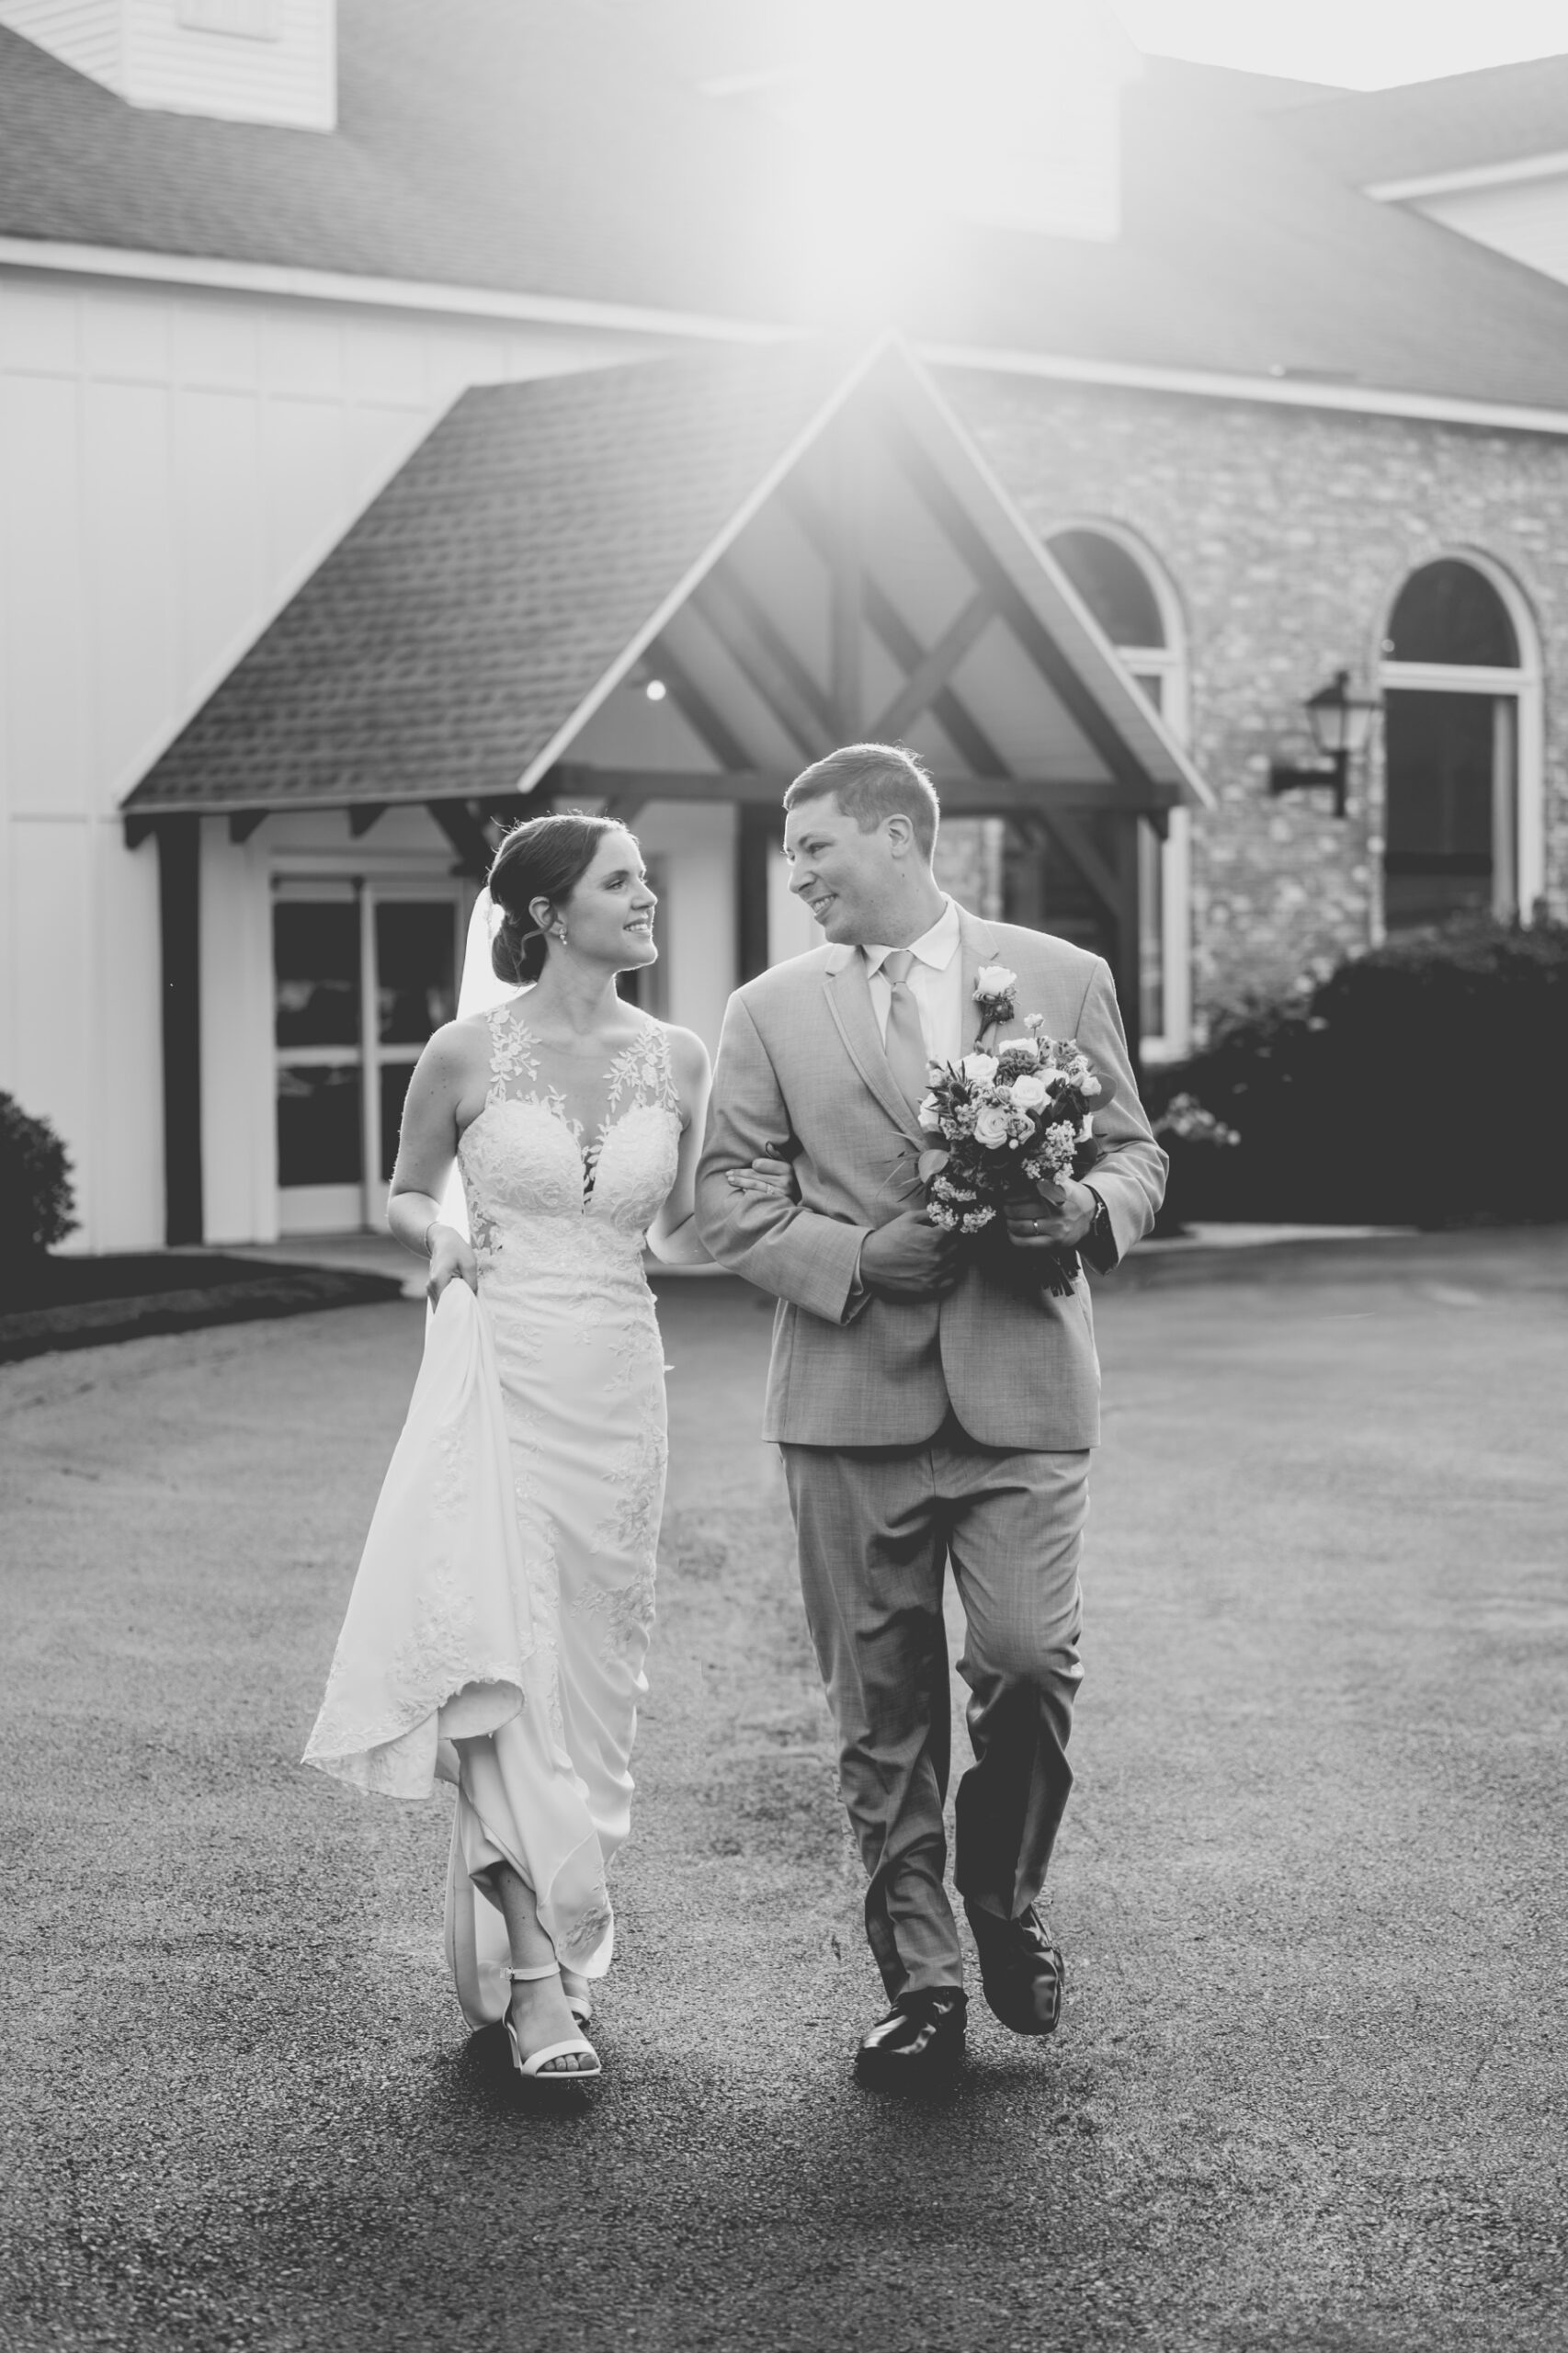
(561, 933)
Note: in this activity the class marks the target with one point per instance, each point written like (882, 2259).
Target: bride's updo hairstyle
(544, 857)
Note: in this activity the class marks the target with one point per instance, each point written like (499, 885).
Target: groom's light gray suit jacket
(802, 1057)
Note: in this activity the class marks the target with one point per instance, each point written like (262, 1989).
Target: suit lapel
(977, 946)
(849, 1002)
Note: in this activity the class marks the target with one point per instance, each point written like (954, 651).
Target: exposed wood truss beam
(965, 733)
(696, 711)
(755, 656)
(920, 690)
(966, 536)
(770, 638)
(463, 825)
(363, 815)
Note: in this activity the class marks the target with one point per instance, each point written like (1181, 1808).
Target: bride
(576, 1123)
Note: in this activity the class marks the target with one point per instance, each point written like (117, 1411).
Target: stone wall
(1287, 533)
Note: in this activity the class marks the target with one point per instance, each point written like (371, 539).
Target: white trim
(1282, 391)
(1454, 677)
(627, 318)
(382, 294)
(1520, 167)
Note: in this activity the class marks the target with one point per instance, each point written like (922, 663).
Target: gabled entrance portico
(666, 588)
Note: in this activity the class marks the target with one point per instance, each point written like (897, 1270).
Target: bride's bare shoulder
(459, 1048)
(689, 1064)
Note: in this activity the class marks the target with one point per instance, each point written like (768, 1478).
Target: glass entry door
(363, 971)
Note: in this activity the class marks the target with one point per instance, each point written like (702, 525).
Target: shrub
(36, 1204)
(1425, 1084)
(1191, 1136)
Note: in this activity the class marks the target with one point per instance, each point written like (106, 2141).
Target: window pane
(415, 980)
(315, 958)
(394, 1088)
(1113, 585)
(318, 1125)
(1450, 612)
(1440, 758)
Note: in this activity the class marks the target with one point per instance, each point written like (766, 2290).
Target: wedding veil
(478, 992)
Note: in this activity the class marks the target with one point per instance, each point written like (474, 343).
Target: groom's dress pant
(876, 1526)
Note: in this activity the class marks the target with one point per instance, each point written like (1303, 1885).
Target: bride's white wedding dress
(562, 1180)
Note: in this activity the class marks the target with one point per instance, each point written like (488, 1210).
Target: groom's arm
(793, 1252)
(1129, 1174)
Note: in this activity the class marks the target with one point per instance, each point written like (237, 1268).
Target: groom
(931, 1400)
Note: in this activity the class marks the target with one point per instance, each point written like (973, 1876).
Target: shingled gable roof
(526, 146)
(497, 580)
(1461, 122)
(543, 148)
(1242, 255)
(488, 600)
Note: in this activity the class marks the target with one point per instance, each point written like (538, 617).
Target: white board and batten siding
(241, 60)
(173, 462)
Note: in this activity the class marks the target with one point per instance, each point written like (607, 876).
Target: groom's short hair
(870, 781)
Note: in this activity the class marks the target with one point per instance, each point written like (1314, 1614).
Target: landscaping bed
(82, 1302)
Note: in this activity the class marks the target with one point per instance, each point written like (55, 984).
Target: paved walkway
(1311, 2087)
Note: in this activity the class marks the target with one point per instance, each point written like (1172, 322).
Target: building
(414, 415)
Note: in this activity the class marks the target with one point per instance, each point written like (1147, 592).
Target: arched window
(1462, 683)
(1129, 594)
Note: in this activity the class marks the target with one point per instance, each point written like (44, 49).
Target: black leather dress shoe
(920, 2039)
(1022, 1973)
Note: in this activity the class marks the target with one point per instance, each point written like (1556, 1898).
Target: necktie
(905, 1039)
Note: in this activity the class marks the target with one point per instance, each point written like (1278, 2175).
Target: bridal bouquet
(1015, 1117)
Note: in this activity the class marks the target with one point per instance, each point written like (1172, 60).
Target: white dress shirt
(936, 983)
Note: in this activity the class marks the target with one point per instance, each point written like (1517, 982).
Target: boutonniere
(994, 988)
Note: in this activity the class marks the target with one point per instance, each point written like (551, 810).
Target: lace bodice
(540, 1190)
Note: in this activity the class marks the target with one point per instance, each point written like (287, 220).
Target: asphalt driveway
(1310, 2089)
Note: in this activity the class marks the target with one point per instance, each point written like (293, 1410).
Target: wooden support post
(1127, 968)
(758, 834)
(243, 823)
(179, 924)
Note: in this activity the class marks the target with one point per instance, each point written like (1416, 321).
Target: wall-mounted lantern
(1342, 726)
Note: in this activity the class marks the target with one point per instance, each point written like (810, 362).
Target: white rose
(991, 1127)
(995, 980)
(1029, 1046)
(929, 1114)
(979, 1068)
(1029, 1092)
(1090, 1087)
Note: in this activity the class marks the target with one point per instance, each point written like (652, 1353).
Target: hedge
(1424, 1084)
